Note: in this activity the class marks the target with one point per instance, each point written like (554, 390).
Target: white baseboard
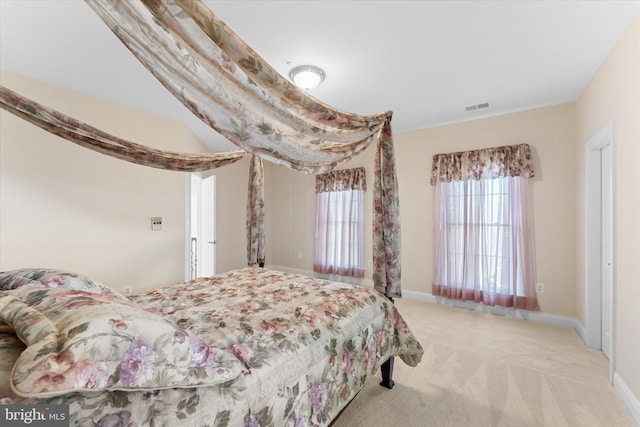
(534, 316)
(630, 401)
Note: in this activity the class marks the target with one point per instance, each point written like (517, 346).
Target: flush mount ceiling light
(307, 76)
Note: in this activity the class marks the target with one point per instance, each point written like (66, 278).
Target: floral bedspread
(307, 347)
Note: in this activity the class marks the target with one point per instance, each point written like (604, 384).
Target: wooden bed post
(387, 368)
(387, 373)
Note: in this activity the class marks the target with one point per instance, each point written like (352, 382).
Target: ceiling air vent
(477, 106)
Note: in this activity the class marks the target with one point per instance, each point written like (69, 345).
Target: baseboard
(582, 332)
(534, 316)
(630, 401)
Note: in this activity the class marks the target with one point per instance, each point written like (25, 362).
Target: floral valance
(510, 160)
(341, 180)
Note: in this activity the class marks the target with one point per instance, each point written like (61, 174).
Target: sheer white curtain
(484, 249)
(339, 242)
(339, 236)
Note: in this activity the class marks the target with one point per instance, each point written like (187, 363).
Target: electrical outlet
(156, 223)
(127, 290)
(540, 288)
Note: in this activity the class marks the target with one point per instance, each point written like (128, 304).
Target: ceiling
(425, 60)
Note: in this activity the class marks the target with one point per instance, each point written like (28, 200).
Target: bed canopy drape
(225, 83)
(221, 80)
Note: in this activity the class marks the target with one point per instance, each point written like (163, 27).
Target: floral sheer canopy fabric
(221, 80)
(225, 83)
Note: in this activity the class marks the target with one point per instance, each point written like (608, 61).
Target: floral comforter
(306, 347)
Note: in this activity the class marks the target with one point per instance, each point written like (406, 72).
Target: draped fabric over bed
(221, 80)
(255, 214)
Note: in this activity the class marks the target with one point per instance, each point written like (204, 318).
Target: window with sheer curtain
(339, 230)
(484, 248)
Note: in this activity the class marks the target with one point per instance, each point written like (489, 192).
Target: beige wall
(231, 204)
(64, 206)
(290, 214)
(550, 132)
(613, 97)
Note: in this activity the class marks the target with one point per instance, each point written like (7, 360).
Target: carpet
(481, 369)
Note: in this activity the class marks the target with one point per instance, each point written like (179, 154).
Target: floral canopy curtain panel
(484, 250)
(221, 80)
(255, 214)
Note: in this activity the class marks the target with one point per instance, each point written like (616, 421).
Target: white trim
(187, 226)
(582, 332)
(593, 269)
(534, 316)
(630, 401)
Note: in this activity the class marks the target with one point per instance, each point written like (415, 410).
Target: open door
(600, 244)
(202, 247)
(606, 202)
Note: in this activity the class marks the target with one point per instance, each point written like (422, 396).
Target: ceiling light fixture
(307, 76)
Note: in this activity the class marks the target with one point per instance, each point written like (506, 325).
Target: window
(339, 233)
(484, 241)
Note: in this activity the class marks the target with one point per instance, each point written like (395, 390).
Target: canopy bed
(262, 347)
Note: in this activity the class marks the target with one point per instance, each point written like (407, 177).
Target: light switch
(156, 223)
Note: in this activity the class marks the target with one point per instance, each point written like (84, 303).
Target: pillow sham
(54, 278)
(80, 341)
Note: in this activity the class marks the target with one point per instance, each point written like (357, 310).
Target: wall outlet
(156, 223)
(540, 288)
(128, 290)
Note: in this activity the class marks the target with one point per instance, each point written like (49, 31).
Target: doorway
(202, 220)
(599, 235)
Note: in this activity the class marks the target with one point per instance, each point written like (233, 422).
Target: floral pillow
(51, 278)
(80, 341)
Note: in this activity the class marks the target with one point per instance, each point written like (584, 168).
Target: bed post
(387, 369)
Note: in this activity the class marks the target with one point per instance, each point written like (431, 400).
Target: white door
(202, 249)
(607, 248)
(208, 227)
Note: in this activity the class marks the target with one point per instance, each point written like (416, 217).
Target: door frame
(190, 205)
(593, 242)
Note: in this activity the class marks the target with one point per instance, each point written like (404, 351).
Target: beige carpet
(487, 370)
